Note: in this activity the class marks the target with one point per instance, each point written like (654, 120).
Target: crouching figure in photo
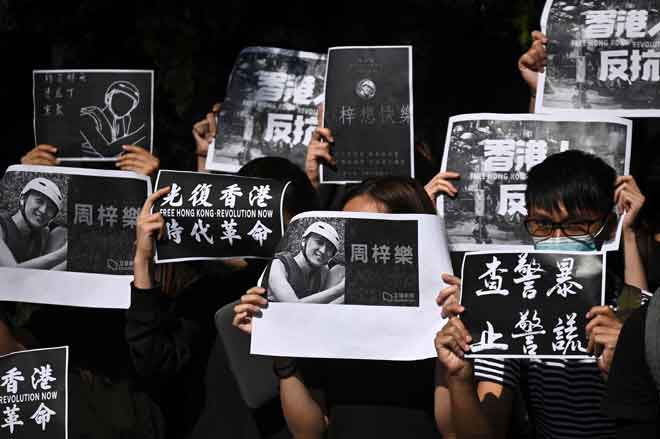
(26, 240)
(307, 275)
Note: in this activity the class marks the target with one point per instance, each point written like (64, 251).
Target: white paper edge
(412, 117)
(91, 159)
(69, 288)
(81, 171)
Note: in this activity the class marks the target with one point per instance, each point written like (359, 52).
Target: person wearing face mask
(25, 237)
(307, 277)
(570, 199)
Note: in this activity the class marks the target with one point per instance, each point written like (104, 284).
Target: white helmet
(325, 230)
(47, 188)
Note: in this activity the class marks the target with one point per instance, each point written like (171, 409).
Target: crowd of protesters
(162, 370)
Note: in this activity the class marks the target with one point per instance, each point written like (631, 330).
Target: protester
(134, 158)
(351, 398)
(570, 198)
(171, 338)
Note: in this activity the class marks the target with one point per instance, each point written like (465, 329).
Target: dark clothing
(632, 396)
(302, 285)
(375, 398)
(173, 341)
(23, 248)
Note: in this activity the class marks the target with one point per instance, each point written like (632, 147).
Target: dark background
(464, 58)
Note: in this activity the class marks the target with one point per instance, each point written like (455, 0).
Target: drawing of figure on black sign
(307, 276)
(26, 238)
(105, 129)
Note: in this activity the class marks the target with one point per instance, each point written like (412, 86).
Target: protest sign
(602, 58)
(494, 152)
(90, 114)
(369, 108)
(270, 108)
(68, 234)
(354, 285)
(530, 304)
(34, 394)
(209, 216)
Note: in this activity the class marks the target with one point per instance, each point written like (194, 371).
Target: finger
(256, 290)
(151, 217)
(201, 128)
(444, 187)
(48, 148)
(213, 129)
(451, 175)
(538, 35)
(254, 299)
(39, 161)
(323, 133)
(131, 162)
(248, 308)
(447, 293)
(151, 199)
(449, 343)
(134, 149)
(44, 155)
(451, 279)
(216, 107)
(453, 309)
(600, 310)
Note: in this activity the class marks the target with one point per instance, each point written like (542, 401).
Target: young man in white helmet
(307, 277)
(25, 238)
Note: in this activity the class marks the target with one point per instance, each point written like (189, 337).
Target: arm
(458, 408)
(629, 199)
(160, 343)
(302, 408)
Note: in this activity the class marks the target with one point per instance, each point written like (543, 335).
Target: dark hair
(577, 180)
(397, 194)
(300, 195)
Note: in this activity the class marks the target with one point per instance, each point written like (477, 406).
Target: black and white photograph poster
(212, 216)
(530, 304)
(354, 285)
(67, 235)
(89, 114)
(493, 154)
(369, 108)
(602, 57)
(33, 394)
(271, 107)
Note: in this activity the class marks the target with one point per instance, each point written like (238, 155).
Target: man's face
(318, 250)
(39, 210)
(540, 222)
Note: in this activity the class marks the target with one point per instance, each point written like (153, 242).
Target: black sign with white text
(33, 394)
(520, 305)
(210, 216)
(369, 108)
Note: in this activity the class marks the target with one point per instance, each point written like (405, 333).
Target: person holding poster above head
(570, 198)
(349, 398)
(25, 238)
(307, 277)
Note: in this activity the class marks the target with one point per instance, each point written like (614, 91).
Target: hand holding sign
(533, 62)
(451, 344)
(603, 331)
(449, 296)
(137, 159)
(318, 152)
(41, 155)
(252, 302)
(441, 184)
(150, 226)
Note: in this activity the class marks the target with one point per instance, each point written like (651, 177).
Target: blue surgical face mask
(583, 243)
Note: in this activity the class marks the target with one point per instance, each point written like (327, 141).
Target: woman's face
(318, 250)
(364, 203)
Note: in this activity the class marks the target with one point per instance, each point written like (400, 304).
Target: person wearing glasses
(570, 198)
